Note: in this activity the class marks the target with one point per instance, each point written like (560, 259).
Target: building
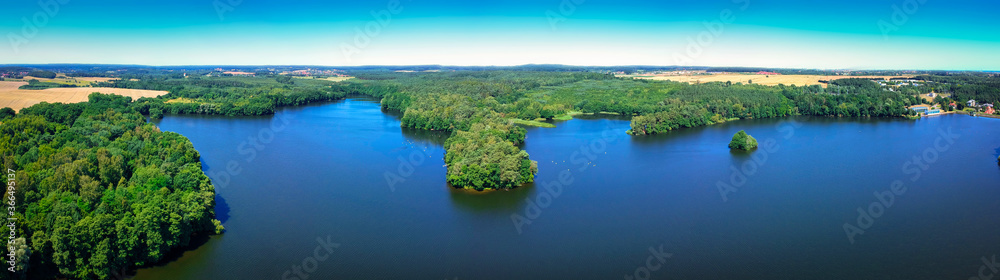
(971, 103)
(989, 109)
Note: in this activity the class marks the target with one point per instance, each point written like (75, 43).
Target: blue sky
(920, 34)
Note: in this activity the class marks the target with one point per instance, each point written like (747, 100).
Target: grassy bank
(533, 123)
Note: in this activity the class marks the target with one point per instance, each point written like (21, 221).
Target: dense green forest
(230, 96)
(99, 190)
(42, 74)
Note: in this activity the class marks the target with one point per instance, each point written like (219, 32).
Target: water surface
(323, 174)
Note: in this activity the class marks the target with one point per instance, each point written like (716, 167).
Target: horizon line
(495, 66)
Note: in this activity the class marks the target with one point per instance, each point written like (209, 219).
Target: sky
(851, 34)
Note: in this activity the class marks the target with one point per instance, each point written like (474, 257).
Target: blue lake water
(604, 205)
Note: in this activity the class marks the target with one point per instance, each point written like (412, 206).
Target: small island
(743, 141)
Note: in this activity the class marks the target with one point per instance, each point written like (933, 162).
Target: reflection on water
(492, 201)
(221, 209)
(425, 137)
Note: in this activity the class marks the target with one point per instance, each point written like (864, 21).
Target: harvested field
(78, 81)
(17, 99)
(332, 79)
(768, 80)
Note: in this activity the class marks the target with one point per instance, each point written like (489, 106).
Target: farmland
(11, 96)
(767, 80)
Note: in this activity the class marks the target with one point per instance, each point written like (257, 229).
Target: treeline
(230, 96)
(98, 190)
(718, 103)
(37, 85)
(42, 74)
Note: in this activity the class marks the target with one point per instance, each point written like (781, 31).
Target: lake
(340, 191)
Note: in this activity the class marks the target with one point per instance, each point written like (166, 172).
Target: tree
(743, 141)
(7, 112)
(155, 113)
(284, 79)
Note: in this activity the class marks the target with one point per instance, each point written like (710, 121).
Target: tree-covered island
(743, 141)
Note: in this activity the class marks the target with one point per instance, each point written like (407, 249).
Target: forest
(229, 96)
(98, 190)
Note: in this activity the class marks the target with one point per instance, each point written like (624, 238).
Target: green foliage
(705, 104)
(34, 84)
(155, 113)
(485, 157)
(100, 189)
(42, 74)
(984, 89)
(230, 96)
(7, 112)
(743, 141)
(285, 79)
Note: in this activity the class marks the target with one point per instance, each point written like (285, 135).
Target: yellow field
(332, 79)
(80, 82)
(772, 80)
(17, 99)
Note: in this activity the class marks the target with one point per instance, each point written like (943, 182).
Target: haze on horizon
(853, 34)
